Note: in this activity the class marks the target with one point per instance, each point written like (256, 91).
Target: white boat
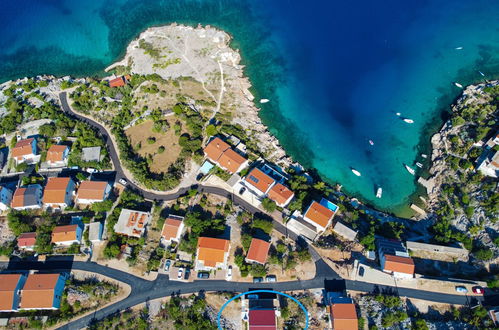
(371, 142)
(398, 113)
(410, 169)
(354, 171)
(458, 85)
(424, 155)
(409, 121)
(480, 72)
(458, 48)
(418, 164)
(379, 192)
(264, 100)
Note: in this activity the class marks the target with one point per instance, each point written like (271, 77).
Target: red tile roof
(212, 250)
(92, 190)
(56, 153)
(64, 233)
(26, 239)
(258, 250)
(23, 148)
(280, 194)
(171, 228)
(231, 160)
(38, 291)
(8, 284)
(399, 264)
(344, 316)
(117, 82)
(18, 198)
(319, 214)
(215, 148)
(262, 319)
(55, 190)
(259, 180)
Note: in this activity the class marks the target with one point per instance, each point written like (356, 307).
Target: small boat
(398, 113)
(264, 100)
(371, 142)
(480, 72)
(458, 48)
(424, 155)
(409, 121)
(354, 171)
(458, 85)
(379, 192)
(418, 164)
(409, 169)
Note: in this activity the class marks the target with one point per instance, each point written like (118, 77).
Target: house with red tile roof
(67, 235)
(57, 155)
(26, 241)
(90, 192)
(258, 182)
(215, 148)
(262, 319)
(27, 198)
(10, 287)
(281, 194)
(258, 251)
(42, 291)
(58, 193)
(25, 151)
(343, 316)
(119, 81)
(132, 223)
(211, 253)
(5, 198)
(172, 229)
(394, 258)
(319, 216)
(232, 162)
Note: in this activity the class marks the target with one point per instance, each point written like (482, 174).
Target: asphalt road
(143, 290)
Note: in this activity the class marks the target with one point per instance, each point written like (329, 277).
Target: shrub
(161, 150)
(151, 140)
(269, 205)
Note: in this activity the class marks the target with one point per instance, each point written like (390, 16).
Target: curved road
(143, 290)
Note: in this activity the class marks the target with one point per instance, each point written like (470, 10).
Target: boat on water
(481, 73)
(458, 85)
(418, 164)
(371, 142)
(424, 155)
(398, 113)
(458, 48)
(354, 171)
(408, 120)
(264, 100)
(379, 192)
(409, 169)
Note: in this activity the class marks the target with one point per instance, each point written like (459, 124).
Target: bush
(151, 140)
(161, 150)
(269, 205)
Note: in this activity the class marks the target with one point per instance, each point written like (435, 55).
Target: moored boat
(264, 100)
(379, 192)
(371, 142)
(458, 85)
(458, 48)
(418, 164)
(409, 169)
(424, 155)
(408, 120)
(354, 171)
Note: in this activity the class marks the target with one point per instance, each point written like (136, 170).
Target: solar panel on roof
(252, 178)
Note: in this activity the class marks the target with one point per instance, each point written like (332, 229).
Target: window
(255, 180)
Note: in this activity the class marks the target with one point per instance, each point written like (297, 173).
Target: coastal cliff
(464, 199)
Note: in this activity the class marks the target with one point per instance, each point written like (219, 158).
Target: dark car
(204, 275)
(257, 279)
(242, 190)
(187, 274)
(361, 271)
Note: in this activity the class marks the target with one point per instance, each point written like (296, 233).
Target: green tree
(269, 205)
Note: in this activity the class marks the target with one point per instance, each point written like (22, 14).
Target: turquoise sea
(336, 72)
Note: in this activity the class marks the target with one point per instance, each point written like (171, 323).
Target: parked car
(361, 271)
(187, 274)
(229, 273)
(271, 278)
(204, 275)
(167, 265)
(242, 190)
(477, 290)
(180, 272)
(123, 181)
(257, 279)
(461, 289)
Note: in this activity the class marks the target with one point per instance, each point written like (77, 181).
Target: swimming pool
(330, 205)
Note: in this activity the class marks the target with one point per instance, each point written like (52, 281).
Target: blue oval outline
(256, 291)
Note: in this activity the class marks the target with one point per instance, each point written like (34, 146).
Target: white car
(229, 273)
(123, 182)
(461, 289)
(180, 272)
